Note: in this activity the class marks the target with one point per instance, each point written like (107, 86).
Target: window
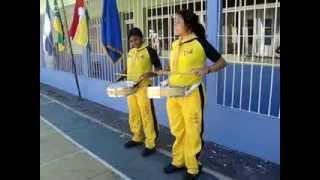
(250, 31)
(94, 34)
(231, 3)
(268, 31)
(161, 23)
(128, 24)
(249, 38)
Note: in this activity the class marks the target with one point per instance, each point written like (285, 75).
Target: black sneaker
(200, 168)
(172, 168)
(189, 176)
(146, 152)
(131, 143)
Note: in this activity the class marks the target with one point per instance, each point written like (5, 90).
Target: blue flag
(111, 32)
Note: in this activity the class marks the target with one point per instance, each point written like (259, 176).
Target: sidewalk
(103, 131)
(69, 161)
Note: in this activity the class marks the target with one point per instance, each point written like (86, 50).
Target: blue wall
(265, 87)
(94, 90)
(248, 132)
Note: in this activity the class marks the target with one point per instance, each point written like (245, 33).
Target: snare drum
(165, 91)
(121, 89)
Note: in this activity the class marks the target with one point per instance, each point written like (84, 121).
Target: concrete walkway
(74, 147)
(63, 159)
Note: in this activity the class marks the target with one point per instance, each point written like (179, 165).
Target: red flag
(75, 20)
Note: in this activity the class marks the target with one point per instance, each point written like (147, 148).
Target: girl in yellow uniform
(189, 54)
(142, 119)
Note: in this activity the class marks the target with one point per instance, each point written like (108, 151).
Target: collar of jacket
(142, 47)
(188, 38)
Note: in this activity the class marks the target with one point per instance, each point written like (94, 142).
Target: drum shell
(120, 91)
(158, 92)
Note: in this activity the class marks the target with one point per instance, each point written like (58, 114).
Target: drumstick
(175, 73)
(120, 74)
(163, 73)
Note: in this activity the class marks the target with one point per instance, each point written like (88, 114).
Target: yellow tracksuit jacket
(142, 118)
(186, 113)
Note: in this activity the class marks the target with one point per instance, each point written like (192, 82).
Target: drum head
(121, 89)
(121, 84)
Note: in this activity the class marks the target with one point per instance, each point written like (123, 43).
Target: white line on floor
(86, 150)
(82, 114)
(60, 158)
(162, 151)
(46, 103)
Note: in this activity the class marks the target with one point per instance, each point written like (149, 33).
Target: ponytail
(191, 20)
(199, 30)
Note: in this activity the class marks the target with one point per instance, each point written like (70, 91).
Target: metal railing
(62, 62)
(160, 25)
(249, 39)
(99, 65)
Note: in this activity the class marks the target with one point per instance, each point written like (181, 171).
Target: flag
(79, 26)
(47, 32)
(110, 30)
(57, 26)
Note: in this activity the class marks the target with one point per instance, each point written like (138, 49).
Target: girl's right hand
(162, 72)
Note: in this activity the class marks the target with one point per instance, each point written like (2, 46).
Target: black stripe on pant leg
(202, 123)
(155, 122)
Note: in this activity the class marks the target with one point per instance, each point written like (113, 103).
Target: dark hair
(135, 32)
(191, 21)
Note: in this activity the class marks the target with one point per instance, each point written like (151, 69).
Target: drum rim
(120, 88)
(170, 87)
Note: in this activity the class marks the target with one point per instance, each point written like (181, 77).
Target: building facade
(243, 105)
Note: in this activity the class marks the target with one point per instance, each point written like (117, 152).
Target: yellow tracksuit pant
(186, 125)
(142, 119)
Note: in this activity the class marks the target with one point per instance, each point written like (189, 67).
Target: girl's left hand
(201, 71)
(147, 75)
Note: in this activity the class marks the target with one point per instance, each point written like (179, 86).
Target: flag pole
(71, 51)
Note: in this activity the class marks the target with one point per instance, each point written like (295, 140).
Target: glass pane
(165, 27)
(191, 6)
(159, 27)
(165, 10)
(198, 6)
(149, 12)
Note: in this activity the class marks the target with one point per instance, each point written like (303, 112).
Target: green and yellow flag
(57, 27)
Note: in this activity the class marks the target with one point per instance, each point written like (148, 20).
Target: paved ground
(61, 159)
(99, 134)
